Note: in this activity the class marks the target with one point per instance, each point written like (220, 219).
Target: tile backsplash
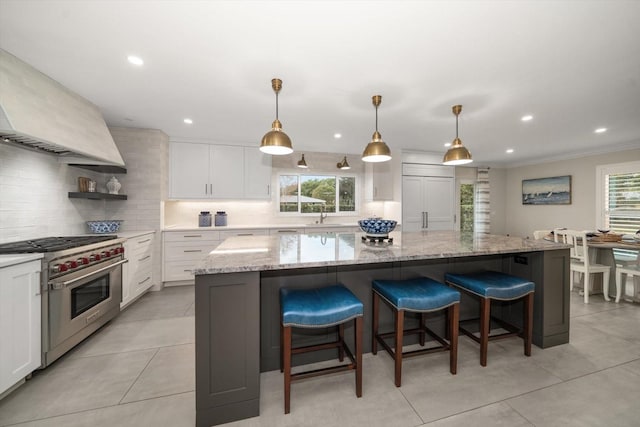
(34, 196)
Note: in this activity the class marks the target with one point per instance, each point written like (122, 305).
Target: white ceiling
(573, 65)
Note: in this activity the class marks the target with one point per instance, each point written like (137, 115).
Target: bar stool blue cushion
(318, 307)
(492, 284)
(420, 294)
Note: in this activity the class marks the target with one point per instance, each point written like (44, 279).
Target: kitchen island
(237, 307)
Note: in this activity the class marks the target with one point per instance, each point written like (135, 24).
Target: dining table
(602, 252)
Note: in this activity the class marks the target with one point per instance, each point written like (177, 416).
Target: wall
(33, 196)
(265, 212)
(146, 155)
(522, 220)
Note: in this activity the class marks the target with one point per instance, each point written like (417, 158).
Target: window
(467, 203)
(618, 199)
(311, 194)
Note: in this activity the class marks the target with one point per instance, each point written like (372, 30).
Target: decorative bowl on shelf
(106, 226)
(377, 227)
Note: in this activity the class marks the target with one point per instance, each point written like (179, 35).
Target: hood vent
(39, 113)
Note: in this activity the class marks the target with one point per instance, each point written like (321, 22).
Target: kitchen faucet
(322, 214)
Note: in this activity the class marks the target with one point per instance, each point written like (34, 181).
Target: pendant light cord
(376, 118)
(456, 126)
(276, 105)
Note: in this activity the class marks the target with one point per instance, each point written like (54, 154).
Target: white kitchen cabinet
(427, 203)
(137, 275)
(379, 181)
(211, 171)
(257, 174)
(182, 250)
(20, 327)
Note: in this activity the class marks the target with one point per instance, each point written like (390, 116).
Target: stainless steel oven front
(79, 303)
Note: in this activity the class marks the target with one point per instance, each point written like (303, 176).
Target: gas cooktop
(51, 244)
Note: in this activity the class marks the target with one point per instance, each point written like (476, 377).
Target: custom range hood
(39, 113)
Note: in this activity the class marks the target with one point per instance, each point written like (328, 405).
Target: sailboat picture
(547, 191)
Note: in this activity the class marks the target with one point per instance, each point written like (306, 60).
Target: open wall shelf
(96, 196)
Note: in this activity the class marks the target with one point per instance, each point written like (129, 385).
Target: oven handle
(60, 285)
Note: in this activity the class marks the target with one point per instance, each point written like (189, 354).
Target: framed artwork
(555, 190)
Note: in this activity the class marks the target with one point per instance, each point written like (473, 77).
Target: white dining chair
(621, 278)
(580, 261)
(541, 234)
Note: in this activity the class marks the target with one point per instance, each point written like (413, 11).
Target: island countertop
(262, 253)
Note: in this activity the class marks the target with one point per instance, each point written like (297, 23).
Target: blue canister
(221, 219)
(204, 219)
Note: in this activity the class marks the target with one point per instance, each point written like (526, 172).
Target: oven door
(81, 299)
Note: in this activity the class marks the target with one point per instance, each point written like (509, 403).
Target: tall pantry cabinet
(428, 197)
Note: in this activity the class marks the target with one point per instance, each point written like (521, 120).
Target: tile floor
(139, 371)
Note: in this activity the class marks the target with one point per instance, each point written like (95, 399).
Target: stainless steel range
(81, 284)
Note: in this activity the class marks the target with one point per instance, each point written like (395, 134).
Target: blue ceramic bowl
(377, 227)
(102, 227)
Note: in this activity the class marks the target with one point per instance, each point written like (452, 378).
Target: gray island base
(237, 309)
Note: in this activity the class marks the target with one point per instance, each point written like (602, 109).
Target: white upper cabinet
(257, 174)
(379, 181)
(189, 165)
(428, 195)
(209, 171)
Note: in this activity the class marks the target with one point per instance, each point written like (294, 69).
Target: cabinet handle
(244, 234)
(268, 189)
(142, 259)
(193, 250)
(422, 219)
(211, 189)
(205, 189)
(187, 271)
(144, 241)
(287, 231)
(192, 235)
(375, 191)
(427, 216)
(148, 278)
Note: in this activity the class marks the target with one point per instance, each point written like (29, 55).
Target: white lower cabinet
(182, 250)
(137, 276)
(20, 327)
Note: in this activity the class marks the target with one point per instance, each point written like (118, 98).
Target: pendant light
(457, 154)
(276, 142)
(302, 164)
(343, 164)
(376, 150)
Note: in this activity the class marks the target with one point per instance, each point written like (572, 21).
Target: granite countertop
(253, 226)
(13, 259)
(260, 253)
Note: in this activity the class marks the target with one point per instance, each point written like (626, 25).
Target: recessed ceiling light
(188, 121)
(447, 144)
(526, 118)
(337, 135)
(135, 60)
(600, 130)
(509, 150)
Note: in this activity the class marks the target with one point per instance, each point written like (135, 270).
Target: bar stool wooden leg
(281, 346)
(375, 309)
(528, 323)
(422, 325)
(485, 320)
(341, 340)
(399, 314)
(287, 368)
(358, 327)
(454, 317)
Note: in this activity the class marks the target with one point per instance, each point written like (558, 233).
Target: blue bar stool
(421, 295)
(319, 308)
(492, 285)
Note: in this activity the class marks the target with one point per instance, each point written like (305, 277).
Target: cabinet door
(412, 203)
(227, 172)
(19, 322)
(439, 203)
(382, 181)
(189, 173)
(257, 174)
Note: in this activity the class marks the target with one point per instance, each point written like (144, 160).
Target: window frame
(601, 180)
(337, 176)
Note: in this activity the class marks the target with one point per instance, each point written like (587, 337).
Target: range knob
(95, 257)
(71, 264)
(59, 268)
(83, 261)
(106, 254)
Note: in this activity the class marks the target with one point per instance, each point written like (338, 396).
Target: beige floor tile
(495, 415)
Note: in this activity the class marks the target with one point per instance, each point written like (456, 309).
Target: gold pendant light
(457, 154)
(343, 164)
(376, 150)
(276, 142)
(302, 163)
